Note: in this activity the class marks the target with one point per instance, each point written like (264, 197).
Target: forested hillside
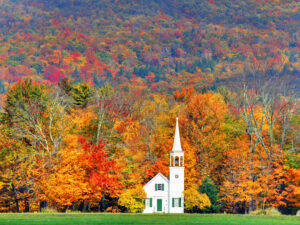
(89, 92)
(157, 45)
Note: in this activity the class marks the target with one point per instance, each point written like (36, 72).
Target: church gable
(158, 182)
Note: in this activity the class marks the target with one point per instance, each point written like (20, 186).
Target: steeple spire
(177, 144)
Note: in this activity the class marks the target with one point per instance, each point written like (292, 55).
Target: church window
(159, 187)
(176, 202)
(148, 202)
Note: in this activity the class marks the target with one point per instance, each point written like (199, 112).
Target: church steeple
(176, 155)
(177, 144)
(176, 175)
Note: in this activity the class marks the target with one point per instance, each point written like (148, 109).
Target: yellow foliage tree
(133, 199)
(194, 200)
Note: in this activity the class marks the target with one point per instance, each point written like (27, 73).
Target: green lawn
(94, 218)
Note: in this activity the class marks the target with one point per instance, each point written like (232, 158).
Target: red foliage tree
(101, 170)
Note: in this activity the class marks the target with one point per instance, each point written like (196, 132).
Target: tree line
(73, 146)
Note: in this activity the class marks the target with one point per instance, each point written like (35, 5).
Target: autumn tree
(195, 201)
(205, 118)
(15, 183)
(101, 172)
(133, 199)
(261, 99)
(65, 182)
(25, 107)
(109, 105)
(82, 173)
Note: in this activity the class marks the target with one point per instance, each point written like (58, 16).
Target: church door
(159, 205)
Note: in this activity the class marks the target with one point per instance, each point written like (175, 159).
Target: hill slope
(153, 45)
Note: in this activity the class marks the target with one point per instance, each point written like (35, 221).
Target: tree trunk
(17, 205)
(251, 204)
(102, 204)
(88, 206)
(82, 206)
(234, 208)
(16, 198)
(245, 205)
(27, 205)
(43, 204)
(85, 206)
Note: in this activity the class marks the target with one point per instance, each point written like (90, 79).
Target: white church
(163, 194)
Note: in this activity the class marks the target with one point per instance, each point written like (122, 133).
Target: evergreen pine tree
(81, 94)
(208, 187)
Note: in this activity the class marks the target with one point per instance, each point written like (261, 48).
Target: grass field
(95, 219)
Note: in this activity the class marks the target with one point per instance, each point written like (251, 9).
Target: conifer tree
(209, 188)
(81, 94)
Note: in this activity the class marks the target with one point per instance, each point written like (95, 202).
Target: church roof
(177, 144)
(154, 178)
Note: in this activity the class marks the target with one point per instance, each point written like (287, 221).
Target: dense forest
(89, 93)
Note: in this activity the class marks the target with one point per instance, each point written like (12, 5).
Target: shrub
(268, 211)
(113, 209)
(133, 198)
(193, 200)
(75, 211)
(48, 210)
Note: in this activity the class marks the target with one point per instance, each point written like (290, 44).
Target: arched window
(181, 161)
(177, 163)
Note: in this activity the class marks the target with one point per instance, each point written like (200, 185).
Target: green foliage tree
(208, 187)
(25, 96)
(81, 94)
(15, 185)
(25, 107)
